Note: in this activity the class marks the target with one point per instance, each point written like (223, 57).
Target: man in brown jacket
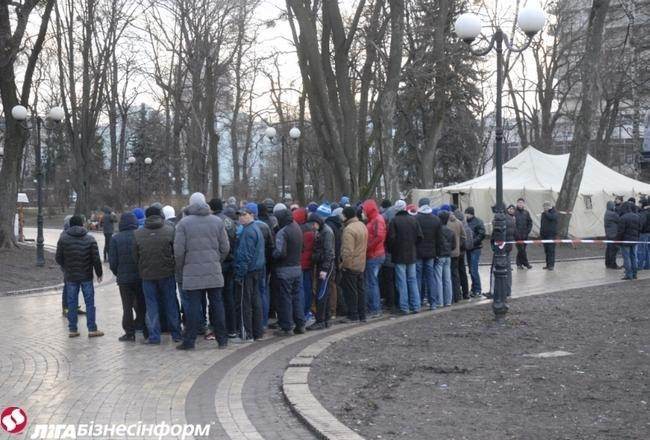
(353, 262)
(459, 232)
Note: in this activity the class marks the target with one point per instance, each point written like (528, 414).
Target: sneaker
(184, 347)
(126, 338)
(95, 334)
(317, 326)
(299, 330)
(210, 337)
(73, 334)
(80, 311)
(232, 335)
(283, 333)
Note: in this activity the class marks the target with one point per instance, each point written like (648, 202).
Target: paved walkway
(68, 381)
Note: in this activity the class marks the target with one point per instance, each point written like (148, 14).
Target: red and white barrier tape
(568, 241)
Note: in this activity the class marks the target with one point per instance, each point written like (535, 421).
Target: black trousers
(610, 255)
(132, 301)
(455, 280)
(229, 298)
(387, 287)
(323, 297)
(248, 306)
(549, 250)
(354, 293)
(289, 302)
(522, 256)
(462, 275)
(107, 244)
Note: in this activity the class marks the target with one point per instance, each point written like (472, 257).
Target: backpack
(468, 245)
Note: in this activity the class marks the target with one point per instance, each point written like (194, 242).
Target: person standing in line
(324, 262)
(427, 253)
(464, 244)
(169, 214)
(459, 234)
(108, 220)
(249, 267)
(548, 231)
(628, 230)
(387, 272)
(336, 225)
(78, 255)
(354, 243)
(375, 256)
(643, 252)
(474, 254)
(524, 224)
(154, 255)
(288, 275)
(308, 235)
(404, 234)
(611, 221)
(125, 269)
(447, 246)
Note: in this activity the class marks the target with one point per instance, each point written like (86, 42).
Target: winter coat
(448, 242)
(249, 255)
(628, 226)
(459, 234)
(107, 222)
(511, 229)
(269, 241)
(77, 254)
(431, 227)
(644, 220)
(478, 229)
(376, 227)
(324, 252)
(611, 221)
(271, 221)
(404, 234)
(336, 226)
(200, 246)
(523, 224)
(548, 228)
(354, 243)
(120, 252)
(308, 234)
(288, 247)
(154, 249)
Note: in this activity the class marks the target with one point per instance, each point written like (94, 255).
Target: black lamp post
(56, 115)
(133, 161)
(468, 26)
(294, 134)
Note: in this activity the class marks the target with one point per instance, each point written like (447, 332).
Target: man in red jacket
(375, 255)
(308, 233)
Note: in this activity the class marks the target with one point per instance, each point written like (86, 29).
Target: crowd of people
(231, 271)
(628, 222)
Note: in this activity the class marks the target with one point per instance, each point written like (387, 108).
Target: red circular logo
(13, 420)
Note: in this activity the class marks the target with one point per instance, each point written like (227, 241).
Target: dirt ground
(18, 270)
(457, 375)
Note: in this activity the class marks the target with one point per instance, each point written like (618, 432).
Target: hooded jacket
(376, 227)
(288, 247)
(139, 214)
(335, 224)
(628, 226)
(354, 242)
(200, 246)
(448, 243)
(429, 246)
(324, 253)
(77, 254)
(154, 249)
(249, 255)
(120, 253)
(478, 229)
(548, 227)
(459, 234)
(524, 224)
(404, 234)
(300, 217)
(611, 221)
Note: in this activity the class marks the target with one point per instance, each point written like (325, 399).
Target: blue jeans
(307, 291)
(164, 288)
(194, 314)
(629, 260)
(643, 252)
(290, 307)
(373, 301)
(427, 280)
(264, 297)
(406, 281)
(473, 258)
(72, 297)
(447, 288)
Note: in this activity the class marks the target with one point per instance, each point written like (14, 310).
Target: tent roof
(534, 170)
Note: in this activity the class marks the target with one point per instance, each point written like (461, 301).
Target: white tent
(537, 177)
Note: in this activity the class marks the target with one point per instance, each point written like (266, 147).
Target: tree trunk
(582, 136)
(300, 156)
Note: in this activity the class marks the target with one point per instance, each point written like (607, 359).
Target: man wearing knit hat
(428, 273)
(323, 258)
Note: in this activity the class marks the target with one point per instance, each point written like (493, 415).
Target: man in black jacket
(77, 254)
(643, 251)
(123, 266)
(548, 231)
(524, 224)
(474, 254)
(429, 280)
(628, 230)
(335, 224)
(324, 261)
(611, 232)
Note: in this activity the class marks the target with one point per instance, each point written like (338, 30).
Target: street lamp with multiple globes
(468, 26)
(56, 115)
(133, 161)
(294, 134)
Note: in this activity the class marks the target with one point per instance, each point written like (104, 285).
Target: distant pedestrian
(643, 258)
(375, 255)
(288, 275)
(428, 275)
(462, 256)
(611, 221)
(474, 254)
(108, 220)
(123, 265)
(323, 258)
(154, 255)
(447, 246)
(459, 235)
(335, 223)
(548, 231)
(78, 255)
(628, 230)
(308, 235)
(249, 267)
(524, 224)
(269, 244)
(354, 243)
(404, 234)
